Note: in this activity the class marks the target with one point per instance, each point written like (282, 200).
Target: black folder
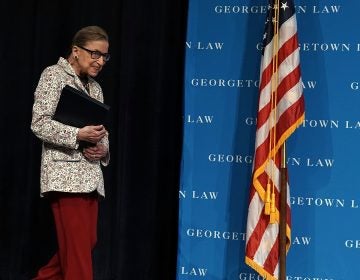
(77, 108)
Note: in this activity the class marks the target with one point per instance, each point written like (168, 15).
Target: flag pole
(283, 214)
(283, 167)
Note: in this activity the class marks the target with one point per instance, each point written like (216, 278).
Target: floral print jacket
(63, 166)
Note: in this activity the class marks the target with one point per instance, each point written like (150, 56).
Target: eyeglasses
(97, 54)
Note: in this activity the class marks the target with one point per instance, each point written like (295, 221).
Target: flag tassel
(268, 200)
(272, 209)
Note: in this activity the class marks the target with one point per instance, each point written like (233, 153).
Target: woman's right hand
(91, 133)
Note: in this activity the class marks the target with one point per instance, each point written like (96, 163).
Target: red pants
(76, 227)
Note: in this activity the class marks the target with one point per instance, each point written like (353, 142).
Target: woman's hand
(95, 153)
(91, 133)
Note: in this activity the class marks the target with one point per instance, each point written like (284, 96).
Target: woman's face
(90, 58)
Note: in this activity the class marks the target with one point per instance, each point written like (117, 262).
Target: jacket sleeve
(46, 97)
(105, 160)
(104, 141)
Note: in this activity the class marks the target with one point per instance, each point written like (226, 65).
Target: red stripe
(288, 48)
(263, 179)
(261, 154)
(262, 151)
(252, 193)
(288, 83)
(286, 120)
(289, 117)
(272, 258)
(260, 229)
(266, 75)
(256, 236)
(263, 115)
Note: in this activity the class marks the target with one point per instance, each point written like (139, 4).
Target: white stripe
(287, 30)
(273, 172)
(285, 68)
(276, 271)
(291, 97)
(254, 214)
(267, 242)
(261, 134)
(288, 99)
(289, 64)
(265, 96)
(267, 56)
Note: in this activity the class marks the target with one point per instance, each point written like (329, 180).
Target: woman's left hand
(95, 153)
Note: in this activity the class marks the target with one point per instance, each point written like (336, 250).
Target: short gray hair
(87, 34)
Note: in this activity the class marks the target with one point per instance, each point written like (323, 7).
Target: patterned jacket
(63, 166)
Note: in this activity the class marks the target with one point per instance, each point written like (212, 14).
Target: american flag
(281, 110)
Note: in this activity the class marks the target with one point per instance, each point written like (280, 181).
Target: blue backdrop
(223, 51)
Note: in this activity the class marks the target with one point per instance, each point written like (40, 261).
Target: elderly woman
(71, 175)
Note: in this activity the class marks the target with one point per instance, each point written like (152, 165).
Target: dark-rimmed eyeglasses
(97, 54)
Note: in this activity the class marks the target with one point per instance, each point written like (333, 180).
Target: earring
(76, 57)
